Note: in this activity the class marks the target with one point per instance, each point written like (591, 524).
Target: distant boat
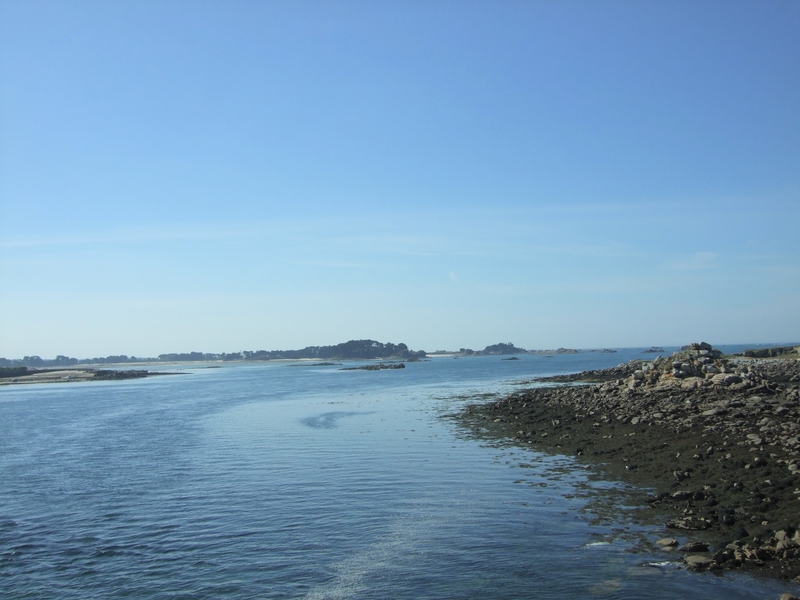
(654, 350)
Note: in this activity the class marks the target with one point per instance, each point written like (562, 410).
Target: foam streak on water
(259, 481)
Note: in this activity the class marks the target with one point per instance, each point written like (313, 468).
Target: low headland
(713, 439)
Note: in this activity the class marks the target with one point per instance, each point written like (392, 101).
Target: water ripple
(329, 420)
(214, 485)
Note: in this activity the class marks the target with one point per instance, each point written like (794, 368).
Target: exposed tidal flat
(25, 376)
(257, 481)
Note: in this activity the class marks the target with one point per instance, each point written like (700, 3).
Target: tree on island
(508, 348)
(354, 349)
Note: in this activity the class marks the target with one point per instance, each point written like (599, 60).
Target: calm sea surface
(268, 481)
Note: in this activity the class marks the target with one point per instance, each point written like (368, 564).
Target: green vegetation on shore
(6, 372)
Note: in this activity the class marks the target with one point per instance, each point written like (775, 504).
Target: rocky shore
(717, 438)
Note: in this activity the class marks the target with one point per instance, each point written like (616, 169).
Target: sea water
(271, 481)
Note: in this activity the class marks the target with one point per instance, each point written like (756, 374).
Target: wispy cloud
(121, 236)
(699, 261)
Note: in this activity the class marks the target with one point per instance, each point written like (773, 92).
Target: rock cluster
(719, 437)
(378, 367)
(770, 352)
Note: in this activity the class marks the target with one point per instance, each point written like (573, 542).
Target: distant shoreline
(351, 350)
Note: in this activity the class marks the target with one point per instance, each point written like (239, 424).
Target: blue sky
(221, 176)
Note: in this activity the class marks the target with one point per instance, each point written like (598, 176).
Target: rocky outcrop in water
(378, 367)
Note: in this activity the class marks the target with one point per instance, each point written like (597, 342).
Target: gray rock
(694, 547)
(667, 542)
(691, 383)
(724, 555)
(690, 523)
(698, 562)
(681, 475)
